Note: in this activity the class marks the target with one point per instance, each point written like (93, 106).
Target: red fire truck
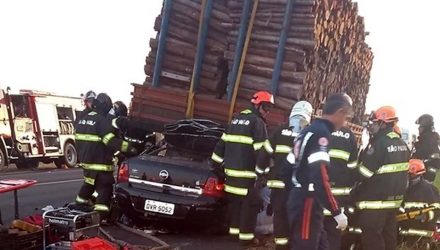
(37, 127)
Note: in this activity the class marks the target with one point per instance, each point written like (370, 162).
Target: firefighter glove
(342, 221)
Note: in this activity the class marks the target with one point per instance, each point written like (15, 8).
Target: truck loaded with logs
(207, 60)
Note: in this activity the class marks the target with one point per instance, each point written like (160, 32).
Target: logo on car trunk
(163, 174)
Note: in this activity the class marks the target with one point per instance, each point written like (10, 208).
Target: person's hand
(342, 221)
(260, 182)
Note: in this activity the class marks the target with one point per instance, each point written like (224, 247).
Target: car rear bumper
(187, 208)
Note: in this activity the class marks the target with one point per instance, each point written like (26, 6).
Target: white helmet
(302, 108)
(300, 115)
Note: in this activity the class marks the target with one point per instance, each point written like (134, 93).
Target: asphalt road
(55, 187)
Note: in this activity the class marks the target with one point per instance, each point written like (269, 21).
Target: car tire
(27, 164)
(3, 162)
(70, 157)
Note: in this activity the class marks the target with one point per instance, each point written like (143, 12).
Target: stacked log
(325, 52)
(181, 45)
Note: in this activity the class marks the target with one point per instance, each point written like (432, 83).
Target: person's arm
(371, 160)
(106, 132)
(318, 163)
(353, 160)
(259, 135)
(265, 154)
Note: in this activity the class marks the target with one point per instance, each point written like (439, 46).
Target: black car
(173, 182)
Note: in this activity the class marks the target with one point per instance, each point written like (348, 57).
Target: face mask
(298, 123)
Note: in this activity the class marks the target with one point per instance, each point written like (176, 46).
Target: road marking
(58, 182)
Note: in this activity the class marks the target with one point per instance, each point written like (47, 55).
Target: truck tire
(3, 164)
(27, 164)
(70, 157)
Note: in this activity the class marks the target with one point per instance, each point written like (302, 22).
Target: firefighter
(237, 151)
(427, 146)
(277, 147)
(343, 160)
(428, 140)
(312, 189)
(420, 195)
(88, 100)
(383, 178)
(96, 144)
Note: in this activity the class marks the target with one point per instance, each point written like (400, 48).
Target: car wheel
(27, 164)
(3, 164)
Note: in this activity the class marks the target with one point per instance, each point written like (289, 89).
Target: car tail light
(123, 172)
(213, 187)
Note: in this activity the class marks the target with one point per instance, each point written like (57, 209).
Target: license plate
(159, 207)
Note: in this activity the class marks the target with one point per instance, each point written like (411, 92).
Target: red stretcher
(13, 185)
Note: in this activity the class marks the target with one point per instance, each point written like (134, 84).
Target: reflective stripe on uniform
(87, 137)
(365, 171)
(93, 113)
(101, 207)
(352, 165)
(281, 241)
(236, 190)
(114, 123)
(246, 236)
(318, 156)
(95, 194)
(124, 146)
(216, 158)
(97, 167)
(238, 139)
(416, 232)
(80, 200)
(355, 230)
(259, 170)
(341, 191)
(339, 154)
(240, 173)
(435, 205)
(393, 135)
(106, 139)
(415, 205)
(246, 111)
(283, 149)
(258, 145)
(291, 158)
(268, 147)
(275, 184)
(393, 168)
(234, 231)
(379, 204)
(327, 212)
(89, 180)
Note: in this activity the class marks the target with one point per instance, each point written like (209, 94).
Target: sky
(69, 47)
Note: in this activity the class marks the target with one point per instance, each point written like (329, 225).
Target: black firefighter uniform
(278, 146)
(237, 150)
(343, 161)
(96, 144)
(383, 171)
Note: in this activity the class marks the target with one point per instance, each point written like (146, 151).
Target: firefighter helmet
(302, 108)
(262, 97)
(120, 109)
(103, 103)
(386, 114)
(425, 120)
(416, 167)
(90, 95)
